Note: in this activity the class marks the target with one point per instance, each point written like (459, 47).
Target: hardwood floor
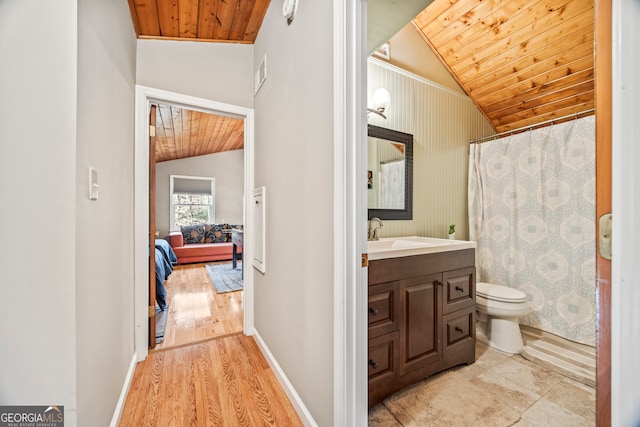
(220, 382)
(196, 311)
(205, 372)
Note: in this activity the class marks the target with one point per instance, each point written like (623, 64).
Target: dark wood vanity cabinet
(421, 318)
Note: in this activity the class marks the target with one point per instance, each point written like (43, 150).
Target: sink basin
(397, 243)
(393, 247)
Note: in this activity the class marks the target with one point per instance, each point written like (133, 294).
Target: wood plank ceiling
(236, 21)
(522, 62)
(184, 133)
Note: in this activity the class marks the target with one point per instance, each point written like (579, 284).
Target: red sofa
(203, 243)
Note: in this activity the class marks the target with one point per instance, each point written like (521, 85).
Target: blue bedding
(167, 251)
(165, 258)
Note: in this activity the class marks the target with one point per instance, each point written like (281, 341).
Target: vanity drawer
(383, 309)
(383, 355)
(459, 289)
(459, 327)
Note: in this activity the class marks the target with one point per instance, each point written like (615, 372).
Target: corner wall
(104, 227)
(221, 72)
(294, 161)
(38, 47)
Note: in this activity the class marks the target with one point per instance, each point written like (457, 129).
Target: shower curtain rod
(531, 127)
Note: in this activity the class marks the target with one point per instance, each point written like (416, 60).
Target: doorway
(198, 186)
(145, 97)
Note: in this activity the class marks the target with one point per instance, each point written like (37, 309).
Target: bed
(165, 260)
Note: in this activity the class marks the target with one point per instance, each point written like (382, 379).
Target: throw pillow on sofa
(193, 233)
(217, 233)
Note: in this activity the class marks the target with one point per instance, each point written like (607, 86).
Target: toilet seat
(499, 293)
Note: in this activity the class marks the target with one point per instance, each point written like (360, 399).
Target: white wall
(228, 170)
(220, 72)
(294, 161)
(104, 227)
(67, 102)
(37, 187)
(403, 48)
(625, 289)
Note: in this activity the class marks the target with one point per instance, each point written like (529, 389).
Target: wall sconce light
(381, 101)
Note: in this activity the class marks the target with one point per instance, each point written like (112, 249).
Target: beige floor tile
(486, 358)
(523, 423)
(509, 392)
(526, 375)
(575, 397)
(547, 413)
(380, 416)
(498, 390)
(449, 400)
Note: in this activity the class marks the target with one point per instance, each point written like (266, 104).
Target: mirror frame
(407, 140)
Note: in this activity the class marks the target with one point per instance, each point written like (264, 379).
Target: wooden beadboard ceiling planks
(521, 61)
(184, 133)
(236, 21)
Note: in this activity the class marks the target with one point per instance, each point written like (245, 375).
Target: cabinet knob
(373, 364)
(438, 282)
(458, 329)
(459, 289)
(373, 311)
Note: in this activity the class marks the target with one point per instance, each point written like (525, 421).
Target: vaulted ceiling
(522, 62)
(182, 133)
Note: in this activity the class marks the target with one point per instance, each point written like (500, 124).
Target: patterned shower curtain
(532, 214)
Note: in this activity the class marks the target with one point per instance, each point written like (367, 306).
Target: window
(190, 209)
(192, 201)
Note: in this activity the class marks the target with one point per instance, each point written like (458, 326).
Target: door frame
(144, 97)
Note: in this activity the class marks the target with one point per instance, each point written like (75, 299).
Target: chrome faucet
(373, 232)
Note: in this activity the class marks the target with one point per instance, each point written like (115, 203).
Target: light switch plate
(93, 184)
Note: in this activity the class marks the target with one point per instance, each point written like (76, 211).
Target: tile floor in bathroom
(499, 389)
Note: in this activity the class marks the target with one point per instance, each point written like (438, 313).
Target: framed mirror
(389, 174)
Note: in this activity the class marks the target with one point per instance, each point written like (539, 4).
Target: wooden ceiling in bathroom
(522, 62)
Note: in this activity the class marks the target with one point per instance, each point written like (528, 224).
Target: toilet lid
(502, 293)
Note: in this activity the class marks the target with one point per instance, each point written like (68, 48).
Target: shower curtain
(392, 185)
(532, 214)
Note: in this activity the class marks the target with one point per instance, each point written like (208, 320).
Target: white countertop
(394, 247)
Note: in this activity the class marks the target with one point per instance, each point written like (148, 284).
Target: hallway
(220, 382)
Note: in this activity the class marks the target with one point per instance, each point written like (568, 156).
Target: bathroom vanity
(421, 310)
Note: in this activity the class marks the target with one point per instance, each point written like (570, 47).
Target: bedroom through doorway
(197, 208)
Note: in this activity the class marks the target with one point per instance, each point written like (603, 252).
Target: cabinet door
(459, 289)
(382, 364)
(421, 344)
(384, 309)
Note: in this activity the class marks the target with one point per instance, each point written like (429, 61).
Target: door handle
(604, 236)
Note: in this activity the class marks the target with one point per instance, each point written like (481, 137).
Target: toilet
(500, 307)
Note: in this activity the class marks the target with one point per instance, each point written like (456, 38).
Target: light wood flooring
(196, 311)
(221, 382)
(206, 372)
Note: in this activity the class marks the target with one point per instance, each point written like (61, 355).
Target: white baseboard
(295, 399)
(123, 393)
